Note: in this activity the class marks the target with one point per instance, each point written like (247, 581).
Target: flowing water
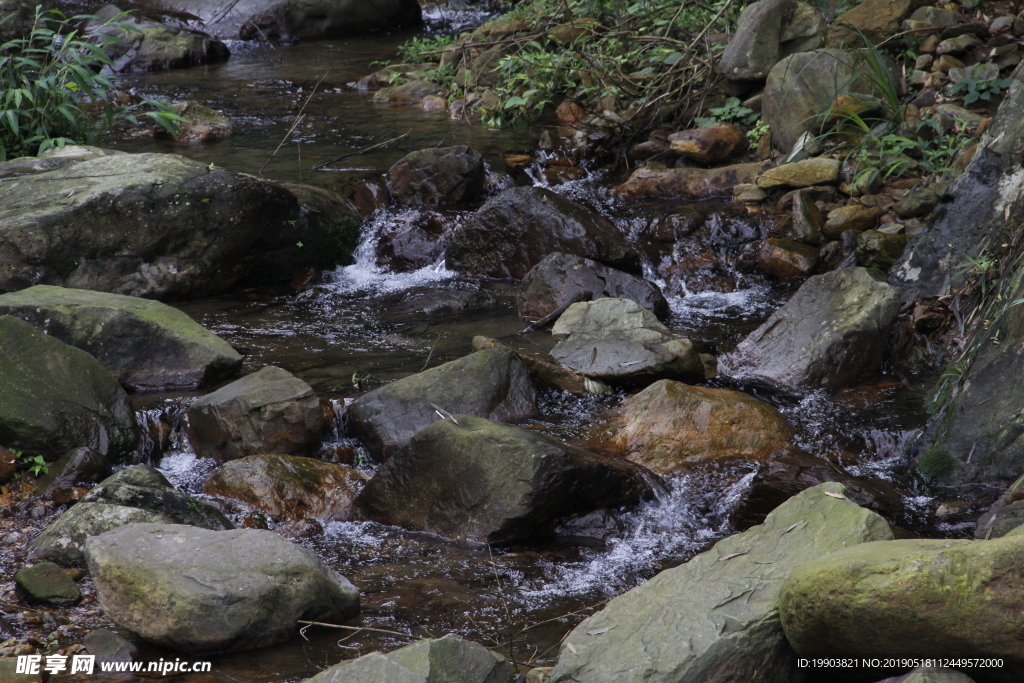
(363, 325)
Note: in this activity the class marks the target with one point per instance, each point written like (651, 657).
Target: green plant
(974, 88)
(52, 92)
(35, 464)
(411, 51)
(755, 134)
(730, 112)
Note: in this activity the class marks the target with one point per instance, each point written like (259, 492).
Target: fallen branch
(554, 315)
(379, 145)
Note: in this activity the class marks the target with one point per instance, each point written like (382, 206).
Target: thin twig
(295, 123)
(508, 613)
(379, 145)
(360, 628)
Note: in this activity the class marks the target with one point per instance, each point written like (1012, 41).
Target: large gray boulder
(152, 46)
(155, 225)
(438, 175)
(147, 345)
(921, 597)
(620, 342)
(801, 87)
(559, 277)
(56, 397)
(832, 333)
(201, 591)
(270, 411)
(485, 481)
(442, 660)
(135, 494)
(768, 31)
(492, 383)
(715, 618)
(514, 231)
(292, 19)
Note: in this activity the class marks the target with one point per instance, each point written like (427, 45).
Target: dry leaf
(835, 495)
(572, 648)
(793, 526)
(732, 555)
(599, 631)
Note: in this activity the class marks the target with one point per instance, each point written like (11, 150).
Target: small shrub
(52, 92)
(411, 51)
(974, 88)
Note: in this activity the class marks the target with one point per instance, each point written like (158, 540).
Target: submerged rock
(492, 383)
(485, 481)
(437, 175)
(270, 411)
(147, 345)
(289, 487)
(922, 597)
(153, 225)
(715, 618)
(135, 494)
(57, 397)
(200, 591)
(618, 341)
(832, 333)
(442, 660)
(514, 231)
(670, 425)
(558, 277)
(201, 124)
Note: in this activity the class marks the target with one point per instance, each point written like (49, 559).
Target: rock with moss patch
(879, 250)
(147, 345)
(716, 618)
(57, 397)
(201, 124)
(922, 597)
(151, 46)
(46, 582)
(135, 494)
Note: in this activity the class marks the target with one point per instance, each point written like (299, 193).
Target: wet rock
(711, 144)
(620, 342)
(48, 583)
(957, 597)
(670, 425)
(201, 124)
(288, 20)
(919, 201)
(766, 32)
(270, 411)
(152, 46)
(490, 482)
(690, 183)
(807, 219)
(288, 486)
(558, 277)
(150, 225)
(514, 231)
(930, 674)
(879, 249)
(831, 333)
(790, 471)
(53, 159)
(546, 373)
(999, 521)
(77, 466)
(370, 197)
(787, 259)
(687, 623)
(429, 661)
(411, 240)
(200, 591)
(107, 646)
(135, 494)
(147, 345)
(806, 173)
(438, 175)
(802, 86)
(877, 20)
(57, 397)
(492, 383)
(854, 217)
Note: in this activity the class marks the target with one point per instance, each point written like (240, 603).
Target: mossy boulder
(136, 494)
(473, 478)
(48, 583)
(716, 618)
(147, 345)
(57, 397)
(201, 591)
(150, 46)
(912, 598)
(289, 487)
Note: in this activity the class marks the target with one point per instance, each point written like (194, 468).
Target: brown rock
(787, 259)
(946, 62)
(878, 20)
(434, 103)
(852, 217)
(570, 113)
(690, 183)
(8, 465)
(67, 495)
(369, 197)
(711, 144)
(806, 173)
(669, 425)
(289, 487)
(571, 30)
